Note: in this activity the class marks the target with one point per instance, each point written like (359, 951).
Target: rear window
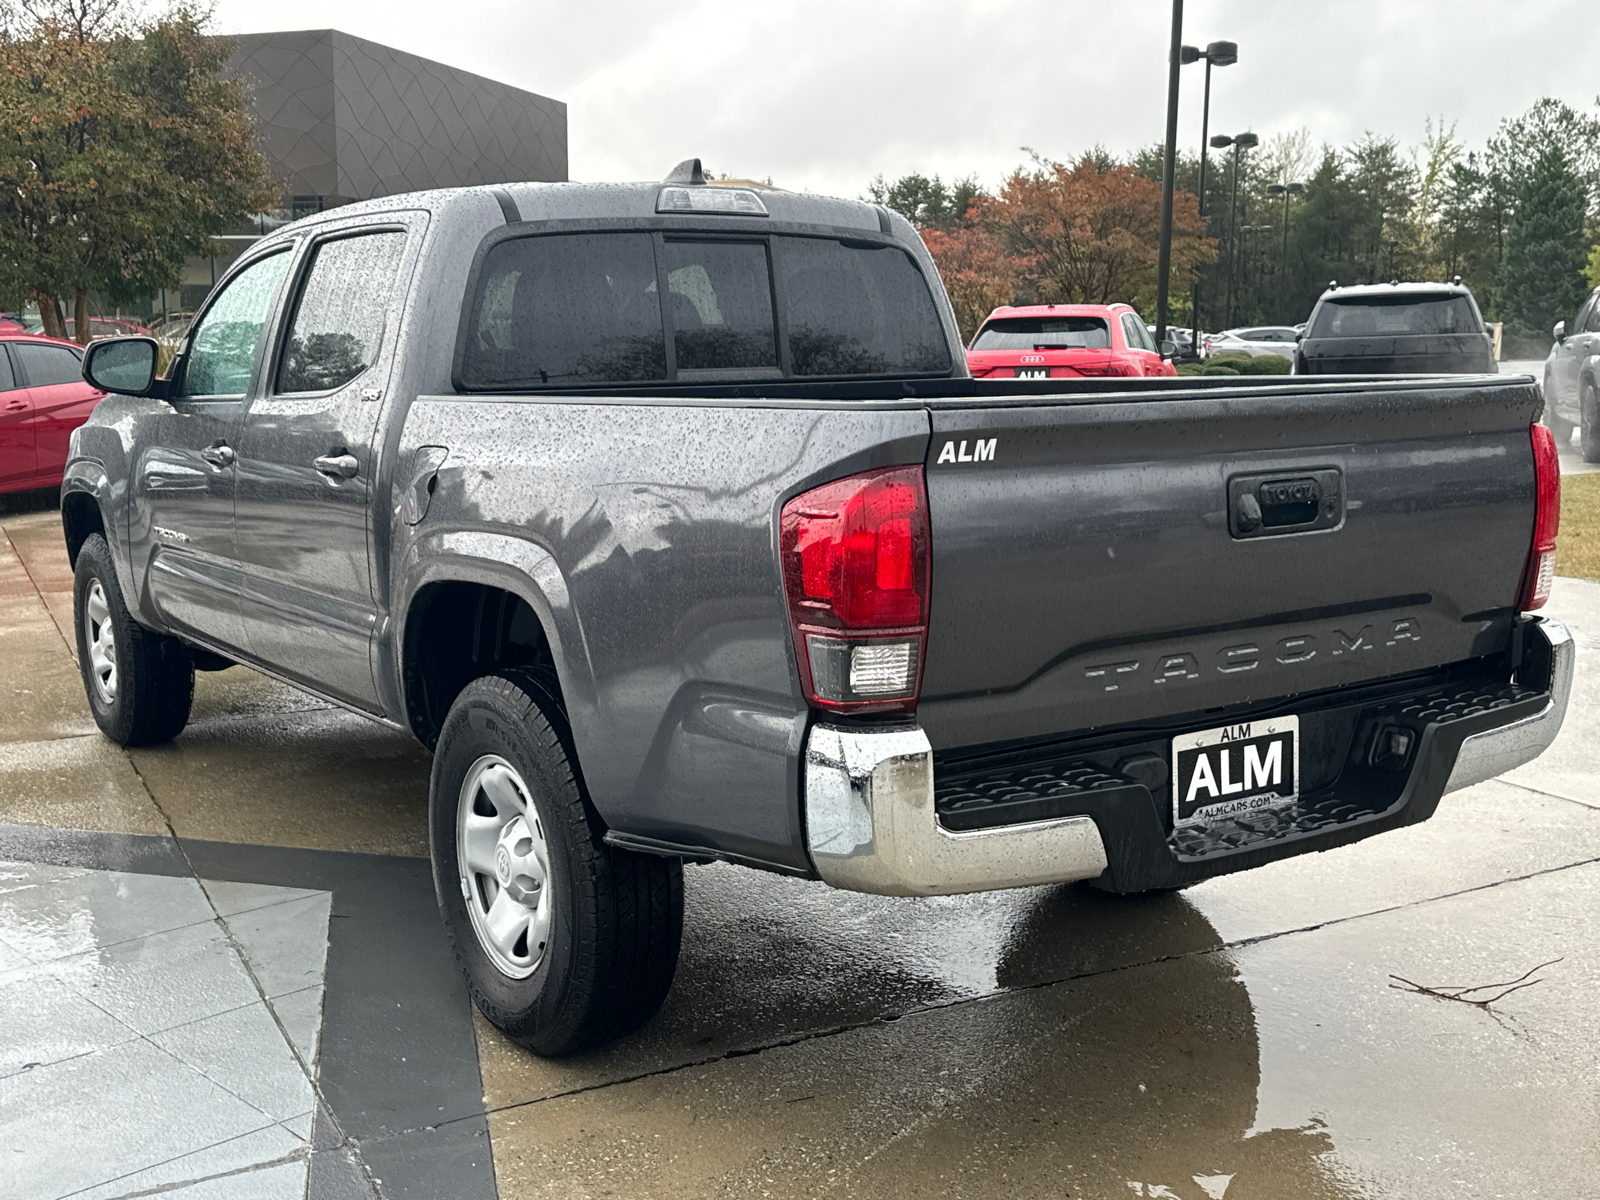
(585, 309)
(1383, 316)
(1044, 333)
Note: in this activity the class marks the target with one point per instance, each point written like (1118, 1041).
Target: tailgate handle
(1261, 505)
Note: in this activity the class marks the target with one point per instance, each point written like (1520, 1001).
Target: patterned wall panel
(350, 119)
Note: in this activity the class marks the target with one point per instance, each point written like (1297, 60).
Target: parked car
(98, 327)
(1571, 377)
(1396, 329)
(668, 517)
(1186, 345)
(1064, 341)
(43, 398)
(1254, 341)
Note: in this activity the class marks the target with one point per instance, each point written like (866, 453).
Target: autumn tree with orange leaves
(1058, 234)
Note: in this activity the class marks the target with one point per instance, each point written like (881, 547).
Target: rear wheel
(566, 942)
(1589, 430)
(140, 683)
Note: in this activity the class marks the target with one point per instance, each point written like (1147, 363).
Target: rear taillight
(855, 568)
(1541, 569)
(1108, 368)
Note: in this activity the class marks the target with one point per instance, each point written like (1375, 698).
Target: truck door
(185, 462)
(306, 466)
(19, 458)
(1568, 356)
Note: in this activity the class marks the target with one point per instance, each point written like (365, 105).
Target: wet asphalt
(1241, 1039)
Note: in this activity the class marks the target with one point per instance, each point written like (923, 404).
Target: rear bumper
(872, 812)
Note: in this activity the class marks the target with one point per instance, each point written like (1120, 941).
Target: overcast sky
(824, 94)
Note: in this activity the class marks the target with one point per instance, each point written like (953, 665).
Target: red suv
(43, 398)
(1063, 341)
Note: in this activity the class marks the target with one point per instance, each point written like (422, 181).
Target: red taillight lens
(1540, 572)
(855, 568)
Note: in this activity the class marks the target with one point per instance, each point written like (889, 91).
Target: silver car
(1570, 379)
(1254, 341)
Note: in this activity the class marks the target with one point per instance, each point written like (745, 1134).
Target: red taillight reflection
(856, 562)
(1540, 571)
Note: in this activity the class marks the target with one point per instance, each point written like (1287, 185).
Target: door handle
(343, 465)
(219, 455)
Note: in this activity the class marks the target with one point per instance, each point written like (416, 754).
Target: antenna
(688, 171)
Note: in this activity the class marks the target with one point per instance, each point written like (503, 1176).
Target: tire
(586, 941)
(1589, 430)
(140, 683)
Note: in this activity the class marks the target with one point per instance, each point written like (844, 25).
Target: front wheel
(140, 683)
(1589, 429)
(566, 942)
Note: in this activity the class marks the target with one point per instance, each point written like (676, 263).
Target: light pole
(1285, 190)
(1216, 54)
(1164, 249)
(1239, 141)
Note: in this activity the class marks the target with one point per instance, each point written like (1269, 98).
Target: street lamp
(1216, 54)
(1169, 168)
(1285, 190)
(1239, 141)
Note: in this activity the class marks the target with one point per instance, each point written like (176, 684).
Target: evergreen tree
(1541, 277)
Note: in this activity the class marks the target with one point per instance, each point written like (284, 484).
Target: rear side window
(571, 310)
(339, 318)
(1395, 316)
(45, 366)
(1050, 333)
(857, 310)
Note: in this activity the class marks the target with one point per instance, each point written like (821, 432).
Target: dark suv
(1395, 329)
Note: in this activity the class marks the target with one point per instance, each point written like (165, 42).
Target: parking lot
(222, 975)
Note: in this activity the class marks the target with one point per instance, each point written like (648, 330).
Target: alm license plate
(1234, 770)
(1033, 372)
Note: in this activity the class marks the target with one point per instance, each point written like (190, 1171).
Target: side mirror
(1301, 336)
(1560, 332)
(126, 365)
(1169, 349)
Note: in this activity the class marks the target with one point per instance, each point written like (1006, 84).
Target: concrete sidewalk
(1241, 1039)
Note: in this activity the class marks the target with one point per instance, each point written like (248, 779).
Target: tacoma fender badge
(168, 535)
(982, 451)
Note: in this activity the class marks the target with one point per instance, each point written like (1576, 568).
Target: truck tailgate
(1090, 566)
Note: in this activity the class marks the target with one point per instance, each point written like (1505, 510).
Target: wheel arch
(476, 603)
(81, 512)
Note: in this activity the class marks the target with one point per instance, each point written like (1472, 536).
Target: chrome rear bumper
(871, 824)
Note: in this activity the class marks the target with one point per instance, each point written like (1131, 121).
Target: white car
(1254, 341)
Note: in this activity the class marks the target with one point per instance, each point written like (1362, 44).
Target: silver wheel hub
(100, 643)
(504, 865)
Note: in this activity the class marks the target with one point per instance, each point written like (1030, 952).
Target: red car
(43, 398)
(1064, 341)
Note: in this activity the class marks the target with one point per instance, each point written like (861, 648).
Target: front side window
(222, 348)
(338, 323)
(1591, 323)
(574, 309)
(46, 366)
(857, 309)
(1047, 333)
(721, 295)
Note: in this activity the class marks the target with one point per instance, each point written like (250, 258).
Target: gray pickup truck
(668, 517)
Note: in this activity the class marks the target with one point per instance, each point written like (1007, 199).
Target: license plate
(1033, 372)
(1234, 770)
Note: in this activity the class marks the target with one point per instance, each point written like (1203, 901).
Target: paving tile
(164, 980)
(70, 916)
(46, 1022)
(286, 945)
(286, 1181)
(1569, 768)
(240, 691)
(73, 783)
(41, 692)
(59, 606)
(322, 780)
(37, 539)
(244, 1051)
(12, 959)
(87, 1120)
(228, 897)
(14, 875)
(236, 1154)
(301, 1015)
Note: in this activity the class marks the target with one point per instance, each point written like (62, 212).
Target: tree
(1089, 234)
(1542, 276)
(979, 276)
(122, 152)
(926, 203)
